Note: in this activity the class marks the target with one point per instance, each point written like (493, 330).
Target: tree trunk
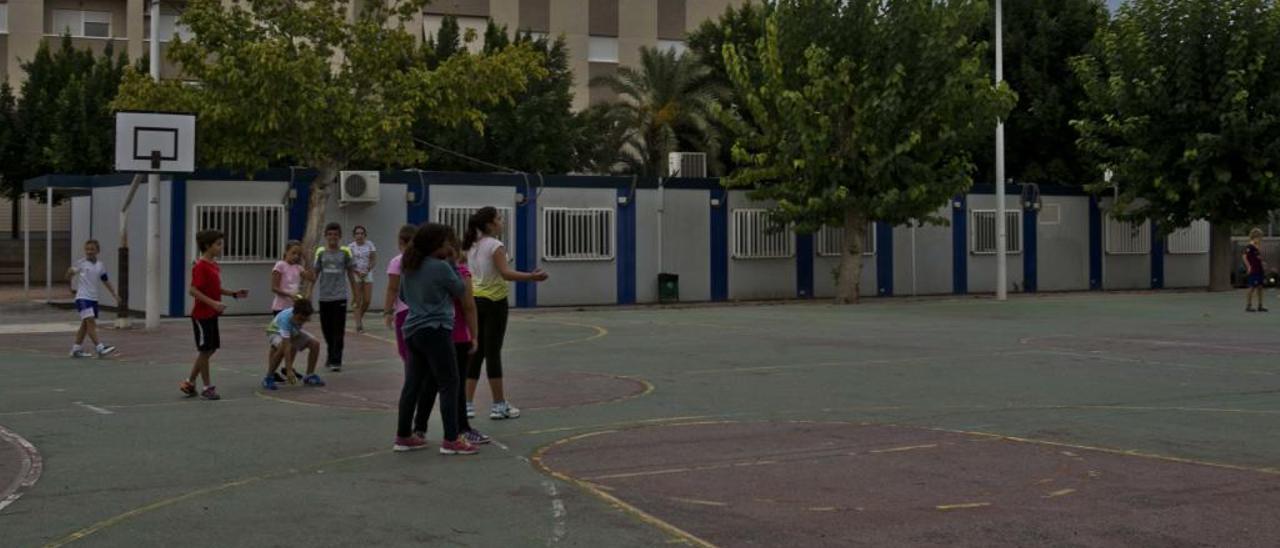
(1222, 257)
(320, 188)
(849, 277)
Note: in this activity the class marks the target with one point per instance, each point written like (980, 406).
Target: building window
(577, 234)
(252, 233)
(982, 232)
(830, 241)
(457, 218)
(80, 24)
(603, 49)
(757, 236)
(1128, 238)
(474, 26)
(4, 18)
(1192, 240)
(677, 46)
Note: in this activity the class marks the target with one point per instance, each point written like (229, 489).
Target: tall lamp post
(1002, 229)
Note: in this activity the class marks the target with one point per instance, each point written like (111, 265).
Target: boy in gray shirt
(335, 282)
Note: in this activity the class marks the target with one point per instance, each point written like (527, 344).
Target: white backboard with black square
(151, 142)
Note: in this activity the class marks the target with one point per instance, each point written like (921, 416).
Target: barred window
(1128, 238)
(757, 236)
(457, 217)
(830, 241)
(252, 233)
(577, 234)
(982, 231)
(1191, 240)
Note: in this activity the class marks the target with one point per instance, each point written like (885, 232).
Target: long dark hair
(478, 225)
(429, 239)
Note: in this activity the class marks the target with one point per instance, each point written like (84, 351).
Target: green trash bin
(668, 288)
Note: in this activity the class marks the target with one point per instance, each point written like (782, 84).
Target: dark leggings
(493, 329)
(432, 368)
(333, 323)
(427, 399)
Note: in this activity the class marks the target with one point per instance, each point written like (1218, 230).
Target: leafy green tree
(862, 110)
(665, 104)
(8, 146)
(741, 26)
(283, 81)
(1040, 39)
(533, 132)
(1184, 107)
(600, 137)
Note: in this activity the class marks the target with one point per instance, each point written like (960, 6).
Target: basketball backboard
(153, 142)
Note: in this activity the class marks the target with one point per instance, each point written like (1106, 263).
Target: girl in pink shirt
(287, 276)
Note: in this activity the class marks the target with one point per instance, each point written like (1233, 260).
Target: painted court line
(30, 468)
(963, 506)
(94, 408)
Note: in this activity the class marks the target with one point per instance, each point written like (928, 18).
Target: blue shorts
(1255, 280)
(87, 308)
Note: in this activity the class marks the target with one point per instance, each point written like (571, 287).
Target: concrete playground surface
(1058, 420)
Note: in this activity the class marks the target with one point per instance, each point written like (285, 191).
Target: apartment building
(601, 34)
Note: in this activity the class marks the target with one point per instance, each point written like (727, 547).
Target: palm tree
(665, 104)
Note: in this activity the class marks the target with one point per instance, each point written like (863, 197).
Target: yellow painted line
(823, 509)
(268, 397)
(667, 471)
(1121, 452)
(700, 502)
(645, 517)
(905, 448)
(611, 424)
(600, 332)
(120, 518)
(963, 506)
(1059, 493)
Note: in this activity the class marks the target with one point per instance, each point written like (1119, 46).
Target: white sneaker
(77, 352)
(504, 410)
(471, 410)
(105, 350)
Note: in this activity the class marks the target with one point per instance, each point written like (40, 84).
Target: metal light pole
(153, 196)
(1002, 235)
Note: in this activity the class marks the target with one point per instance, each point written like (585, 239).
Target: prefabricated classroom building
(604, 240)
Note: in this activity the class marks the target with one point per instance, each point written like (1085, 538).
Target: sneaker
(188, 388)
(411, 443)
(1261, 309)
(210, 393)
(313, 380)
(278, 377)
(269, 382)
(81, 354)
(335, 367)
(420, 434)
(471, 410)
(475, 437)
(504, 410)
(1249, 309)
(105, 350)
(459, 447)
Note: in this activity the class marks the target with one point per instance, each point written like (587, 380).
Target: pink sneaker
(411, 443)
(460, 447)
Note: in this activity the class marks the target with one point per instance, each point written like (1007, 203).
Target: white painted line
(94, 408)
(38, 328)
(30, 467)
(558, 513)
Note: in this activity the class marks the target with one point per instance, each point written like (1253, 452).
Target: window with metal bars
(457, 217)
(1191, 240)
(982, 231)
(577, 234)
(830, 241)
(251, 233)
(757, 236)
(1128, 238)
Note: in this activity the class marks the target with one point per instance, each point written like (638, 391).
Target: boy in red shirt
(206, 290)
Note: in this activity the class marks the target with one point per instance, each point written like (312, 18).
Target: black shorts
(206, 331)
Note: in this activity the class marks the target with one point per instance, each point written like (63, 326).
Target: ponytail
(478, 225)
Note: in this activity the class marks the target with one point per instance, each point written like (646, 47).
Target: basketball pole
(153, 196)
(1002, 236)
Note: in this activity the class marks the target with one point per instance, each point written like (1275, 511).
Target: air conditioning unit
(687, 164)
(358, 186)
